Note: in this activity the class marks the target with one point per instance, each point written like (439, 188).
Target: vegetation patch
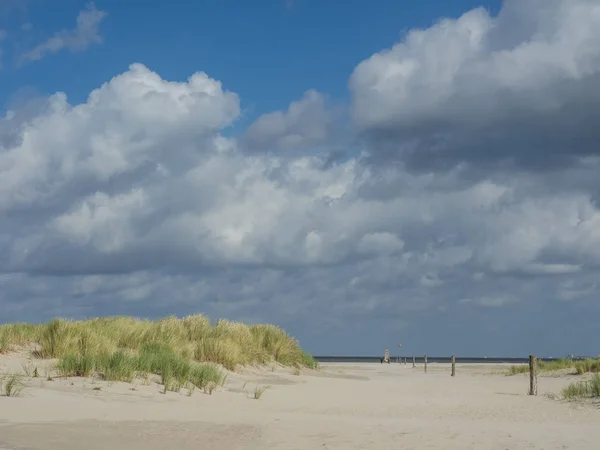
(590, 365)
(12, 384)
(583, 389)
(187, 352)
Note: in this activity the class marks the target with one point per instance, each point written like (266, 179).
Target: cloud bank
(451, 227)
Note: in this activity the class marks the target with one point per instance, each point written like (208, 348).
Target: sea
(437, 359)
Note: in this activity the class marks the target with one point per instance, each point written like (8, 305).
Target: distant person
(386, 357)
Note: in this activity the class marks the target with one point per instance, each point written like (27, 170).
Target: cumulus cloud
(307, 123)
(521, 88)
(85, 33)
(134, 201)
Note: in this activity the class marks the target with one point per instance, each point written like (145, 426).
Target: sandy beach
(341, 406)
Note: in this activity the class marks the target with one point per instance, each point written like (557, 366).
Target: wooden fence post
(425, 365)
(453, 365)
(414, 362)
(404, 361)
(532, 375)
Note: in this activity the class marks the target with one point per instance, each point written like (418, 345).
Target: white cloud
(141, 168)
(307, 123)
(85, 33)
(472, 89)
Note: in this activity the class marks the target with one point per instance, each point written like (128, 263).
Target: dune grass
(577, 367)
(183, 352)
(175, 371)
(16, 335)
(583, 389)
(258, 392)
(12, 384)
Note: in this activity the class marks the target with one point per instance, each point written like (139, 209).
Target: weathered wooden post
(404, 361)
(425, 365)
(532, 375)
(453, 365)
(414, 362)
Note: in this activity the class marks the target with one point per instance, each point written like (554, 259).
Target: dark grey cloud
(135, 203)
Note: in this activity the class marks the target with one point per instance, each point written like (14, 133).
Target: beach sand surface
(342, 406)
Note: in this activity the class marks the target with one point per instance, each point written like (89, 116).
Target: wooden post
(425, 365)
(404, 361)
(414, 362)
(532, 375)
(453, 365)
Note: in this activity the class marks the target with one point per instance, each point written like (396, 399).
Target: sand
(343, 406)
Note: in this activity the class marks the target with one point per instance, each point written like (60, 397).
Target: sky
(362, 175)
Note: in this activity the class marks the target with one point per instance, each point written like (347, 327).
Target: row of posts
(453, 360)
(532, 370)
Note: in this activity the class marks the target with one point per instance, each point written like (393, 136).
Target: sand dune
(343, 406)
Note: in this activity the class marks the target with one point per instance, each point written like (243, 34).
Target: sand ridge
(342, 406)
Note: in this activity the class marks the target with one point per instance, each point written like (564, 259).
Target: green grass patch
(156, 358)
(309, 361)
(577, 367)
(583, 389)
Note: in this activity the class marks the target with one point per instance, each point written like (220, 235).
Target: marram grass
(583, 389)
(183, 352)
(576, 367)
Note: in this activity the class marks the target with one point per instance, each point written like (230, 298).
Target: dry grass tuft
(258, 392)
(12, 384)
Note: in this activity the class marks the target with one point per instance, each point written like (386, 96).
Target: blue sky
(360, 173)
(268, 52)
